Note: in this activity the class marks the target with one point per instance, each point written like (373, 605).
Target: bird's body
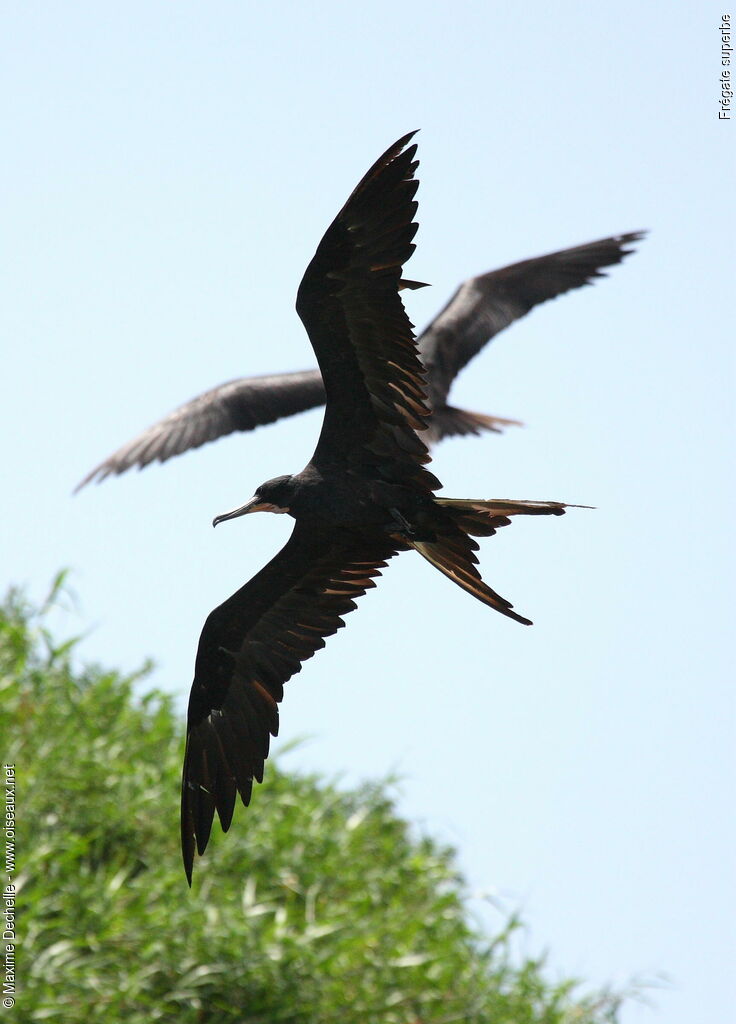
(365, 496)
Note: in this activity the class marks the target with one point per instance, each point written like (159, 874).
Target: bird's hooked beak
(254, 505)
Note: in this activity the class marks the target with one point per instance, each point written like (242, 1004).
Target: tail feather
(448, 421)
(452, 552)
(483, 518)
(461, 570)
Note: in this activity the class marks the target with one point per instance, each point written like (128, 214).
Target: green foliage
(319, 906)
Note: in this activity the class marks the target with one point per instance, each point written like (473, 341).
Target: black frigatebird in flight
(365, 496)
(480, 308)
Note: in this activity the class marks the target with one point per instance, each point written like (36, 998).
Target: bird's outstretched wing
(498, 298)
(250, 645)
(349, 303)
(237, 405)
(484, 305)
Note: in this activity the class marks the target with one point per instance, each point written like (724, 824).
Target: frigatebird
(481, 308)
(365, 496)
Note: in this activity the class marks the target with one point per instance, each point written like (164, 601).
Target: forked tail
(453, 550)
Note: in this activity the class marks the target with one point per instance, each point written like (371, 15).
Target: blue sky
(169, 171)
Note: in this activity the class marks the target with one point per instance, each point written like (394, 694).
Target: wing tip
(632, 236)
(188, 866)
(89, 478)
(187, 838)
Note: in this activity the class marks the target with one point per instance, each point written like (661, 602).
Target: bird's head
(273, 496)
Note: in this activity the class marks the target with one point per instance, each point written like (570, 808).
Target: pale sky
(168, 172)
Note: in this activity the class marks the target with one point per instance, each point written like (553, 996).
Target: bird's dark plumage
(485, 305)
(238, 405)
(365, 496)
(250, 646)
(480, 308)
